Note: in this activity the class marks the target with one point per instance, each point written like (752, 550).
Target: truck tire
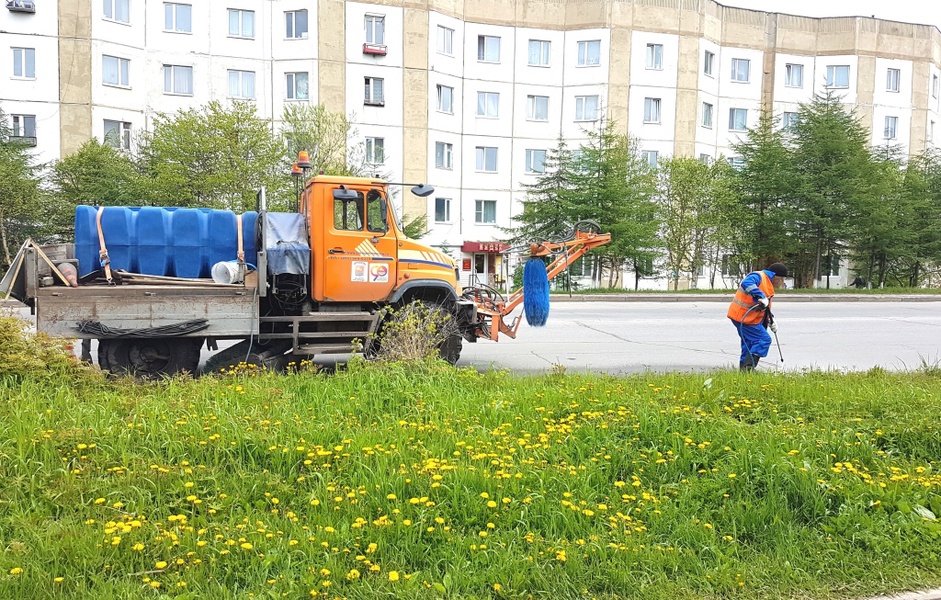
(271, 356)
(451, 348)
(149, 358)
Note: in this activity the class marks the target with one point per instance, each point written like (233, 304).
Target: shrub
(24, 353)
(413, 332)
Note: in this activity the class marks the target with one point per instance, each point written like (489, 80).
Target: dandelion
(353, 574)
(16, 571)
(246, 546)
(393, 575)
(497, 587)
(161, 564)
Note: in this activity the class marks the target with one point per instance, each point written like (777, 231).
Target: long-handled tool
(778, 342)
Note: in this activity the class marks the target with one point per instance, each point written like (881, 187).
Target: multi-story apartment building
(468, 95)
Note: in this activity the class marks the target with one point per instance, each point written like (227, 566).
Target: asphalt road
(694, 335)
(631, 337)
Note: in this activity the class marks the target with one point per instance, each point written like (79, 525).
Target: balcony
(24, 140)
(374, 49)
(23, 6)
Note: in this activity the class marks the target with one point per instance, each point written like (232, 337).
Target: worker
(750, 313)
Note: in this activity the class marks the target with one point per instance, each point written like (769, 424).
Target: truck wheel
(149, 358)
(451, 348)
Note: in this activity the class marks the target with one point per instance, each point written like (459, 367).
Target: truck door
(359, 258)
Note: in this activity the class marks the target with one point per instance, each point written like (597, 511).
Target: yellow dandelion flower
(59, 579)
(390, 497)
(137, 547)
(491, 504)
(99, 500)
(325, 572)
(393, 575)
(497, 587)
(353, 574)
(16, 571)
(246, 546)
(161, 564)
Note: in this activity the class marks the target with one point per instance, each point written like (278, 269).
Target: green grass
(889, 291)
(430, 482)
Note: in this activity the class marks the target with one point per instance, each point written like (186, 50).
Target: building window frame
(488, 105)
(297, 87)
(445, 40)
(794, 75)
(241, 23)
(655, 57)
(651, 157)
(486, 159)
(539, 53)
(442, 210)
(587, 108)
(891, 131)
(488, 49)
(122, 134)
(709, 63)
(375, 29)
(741, 70)
(838, 77)
(707, 112)
(893, 80)
(537, 108)
(485, 212)
(789, 121)
(589, 53)
(375, 150)
(23, 126)
(241, 84)
(24, 63)
(176, 75)
(535, 161)
(738, 119)
(652, 110)
(173, 20)
(444, 155)
(296, 24)
(117, 11)
(121, 69)
(445, 99)
(374, 91)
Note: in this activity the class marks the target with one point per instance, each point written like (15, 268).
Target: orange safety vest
(744, 301)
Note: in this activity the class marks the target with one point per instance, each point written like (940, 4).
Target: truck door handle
(336, 251)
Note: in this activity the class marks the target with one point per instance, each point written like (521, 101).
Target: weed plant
(418, 480)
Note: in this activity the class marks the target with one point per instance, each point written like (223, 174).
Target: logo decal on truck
(359, 271)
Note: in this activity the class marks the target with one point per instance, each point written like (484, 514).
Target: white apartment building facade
(466, 95)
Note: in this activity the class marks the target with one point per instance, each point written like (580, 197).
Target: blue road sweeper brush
(535, 292)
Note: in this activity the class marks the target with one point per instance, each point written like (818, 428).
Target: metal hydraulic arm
(493, 312)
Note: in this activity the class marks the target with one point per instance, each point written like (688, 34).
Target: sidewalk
(726, 297)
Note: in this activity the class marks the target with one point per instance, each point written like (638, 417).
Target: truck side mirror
(341, 193)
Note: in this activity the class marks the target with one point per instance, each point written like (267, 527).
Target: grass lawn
(429, 482)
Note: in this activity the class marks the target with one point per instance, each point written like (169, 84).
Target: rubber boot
(750, 363)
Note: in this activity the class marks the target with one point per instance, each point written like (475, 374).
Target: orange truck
(291, 285)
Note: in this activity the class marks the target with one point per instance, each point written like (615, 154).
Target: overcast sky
(909, 11)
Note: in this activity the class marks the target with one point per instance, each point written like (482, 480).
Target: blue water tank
(180, 242)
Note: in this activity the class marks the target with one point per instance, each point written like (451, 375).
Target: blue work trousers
(755, 340)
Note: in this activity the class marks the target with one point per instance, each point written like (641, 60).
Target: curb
(667, 297)
(925, 595)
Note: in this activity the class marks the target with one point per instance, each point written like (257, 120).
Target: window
(118, 134)
(650, 157)
(705, 159)
(375, 151)
(442, 210)
(177, 18)
(707, 115)
(242, 23)
(297, 86)
(740, 69)
(738, 119)
(444, 155)
(486, 159)
(347, 213)
(23, 6)
(708, 62)
(177, 80)
(589, 53)
(118, 10)
(655, 56)
(789, 121)
(24, 126)
(794, 75)
(115, 71)
(893, 78)
(737, 162)
(242, 84)
(586, 108)
(374, 95)
(934, 86)
(376, 29)
(538, 53)
(651, 110)
(445, 40)
(295, 24)
(537, 108)
(931, 132)
(488, 104)
(838, 76)
(485, 211)
(24, 63)
(445, 99)
(488, 48)
(535, 161)
(891, 128)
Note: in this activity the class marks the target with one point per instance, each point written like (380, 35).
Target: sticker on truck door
(365, 272)
(360, 270)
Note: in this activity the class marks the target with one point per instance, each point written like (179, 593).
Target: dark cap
(779, 269)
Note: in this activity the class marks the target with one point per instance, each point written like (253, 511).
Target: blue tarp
(288, 244)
